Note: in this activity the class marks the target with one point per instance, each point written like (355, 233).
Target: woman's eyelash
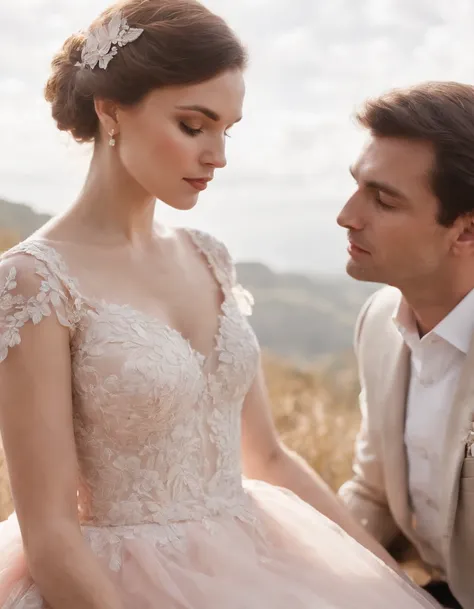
(189, 130)
(193, 132)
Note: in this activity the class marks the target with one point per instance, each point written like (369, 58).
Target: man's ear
(464, 244)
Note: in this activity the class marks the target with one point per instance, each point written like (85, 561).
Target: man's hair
(441, 113)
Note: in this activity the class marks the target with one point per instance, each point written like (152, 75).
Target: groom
(410, 225)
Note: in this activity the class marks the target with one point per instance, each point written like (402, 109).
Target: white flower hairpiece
(102, 42)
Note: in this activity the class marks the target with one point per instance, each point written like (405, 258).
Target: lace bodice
(157, 424)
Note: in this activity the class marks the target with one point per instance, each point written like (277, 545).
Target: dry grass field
(316, 412)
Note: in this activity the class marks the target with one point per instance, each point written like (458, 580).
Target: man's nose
(350, 216)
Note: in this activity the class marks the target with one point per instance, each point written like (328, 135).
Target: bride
(132, 398)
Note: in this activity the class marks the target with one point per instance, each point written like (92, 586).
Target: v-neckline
(94, 303)
(104, 305)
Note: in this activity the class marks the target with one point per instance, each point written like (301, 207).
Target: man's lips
(356, 249)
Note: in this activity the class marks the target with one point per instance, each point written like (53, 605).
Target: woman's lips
(198, 183)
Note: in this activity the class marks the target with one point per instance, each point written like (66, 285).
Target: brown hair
(182, 43)
(441, 113)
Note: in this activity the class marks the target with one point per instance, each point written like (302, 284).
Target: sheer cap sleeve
(33, 287)
(224, 268)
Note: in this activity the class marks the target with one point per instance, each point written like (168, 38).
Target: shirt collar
(456, 328)
(405, 323)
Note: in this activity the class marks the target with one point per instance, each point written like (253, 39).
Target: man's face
(394, 235)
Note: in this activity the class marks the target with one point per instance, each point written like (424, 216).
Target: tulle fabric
(291, 557)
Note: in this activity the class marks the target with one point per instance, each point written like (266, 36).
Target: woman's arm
(266, 458)
(37, 432)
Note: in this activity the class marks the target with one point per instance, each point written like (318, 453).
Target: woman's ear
(107, 114)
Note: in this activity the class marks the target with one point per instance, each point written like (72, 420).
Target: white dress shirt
(436, 362)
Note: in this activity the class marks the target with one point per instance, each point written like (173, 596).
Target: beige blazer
(378, 492)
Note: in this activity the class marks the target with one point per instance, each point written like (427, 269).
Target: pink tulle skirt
(290, 557)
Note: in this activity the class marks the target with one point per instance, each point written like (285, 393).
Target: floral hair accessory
(102, 43)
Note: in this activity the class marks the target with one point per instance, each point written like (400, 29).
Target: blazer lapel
(397, 373)
(457, 430)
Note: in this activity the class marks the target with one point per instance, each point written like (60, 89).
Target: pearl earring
(112, 138)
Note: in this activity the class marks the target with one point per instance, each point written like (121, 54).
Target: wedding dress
(162, 500)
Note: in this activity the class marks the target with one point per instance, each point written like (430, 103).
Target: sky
(313, 62)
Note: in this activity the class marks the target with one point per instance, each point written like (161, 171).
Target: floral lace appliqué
(157, 425)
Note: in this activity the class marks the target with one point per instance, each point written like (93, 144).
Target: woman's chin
(180, 202)
(183, 203)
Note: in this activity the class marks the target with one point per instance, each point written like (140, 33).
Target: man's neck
(431, 306)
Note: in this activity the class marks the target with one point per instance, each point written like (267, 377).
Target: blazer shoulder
(377, 313)
(384, 302)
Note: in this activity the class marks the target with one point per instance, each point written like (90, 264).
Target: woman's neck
(111, 205)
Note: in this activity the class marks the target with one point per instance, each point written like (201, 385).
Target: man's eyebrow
(382, 186)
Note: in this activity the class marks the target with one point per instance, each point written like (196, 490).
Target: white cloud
(312, 63)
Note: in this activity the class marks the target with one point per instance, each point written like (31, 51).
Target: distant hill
(20, 219)
(303, 317)
(295, 316)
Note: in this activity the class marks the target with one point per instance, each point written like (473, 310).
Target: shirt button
(422, 452)
(431, 504)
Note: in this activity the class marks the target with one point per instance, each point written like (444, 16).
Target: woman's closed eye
(193, 132)
(190, 130)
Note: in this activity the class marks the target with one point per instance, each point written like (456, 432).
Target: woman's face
(172, 142)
